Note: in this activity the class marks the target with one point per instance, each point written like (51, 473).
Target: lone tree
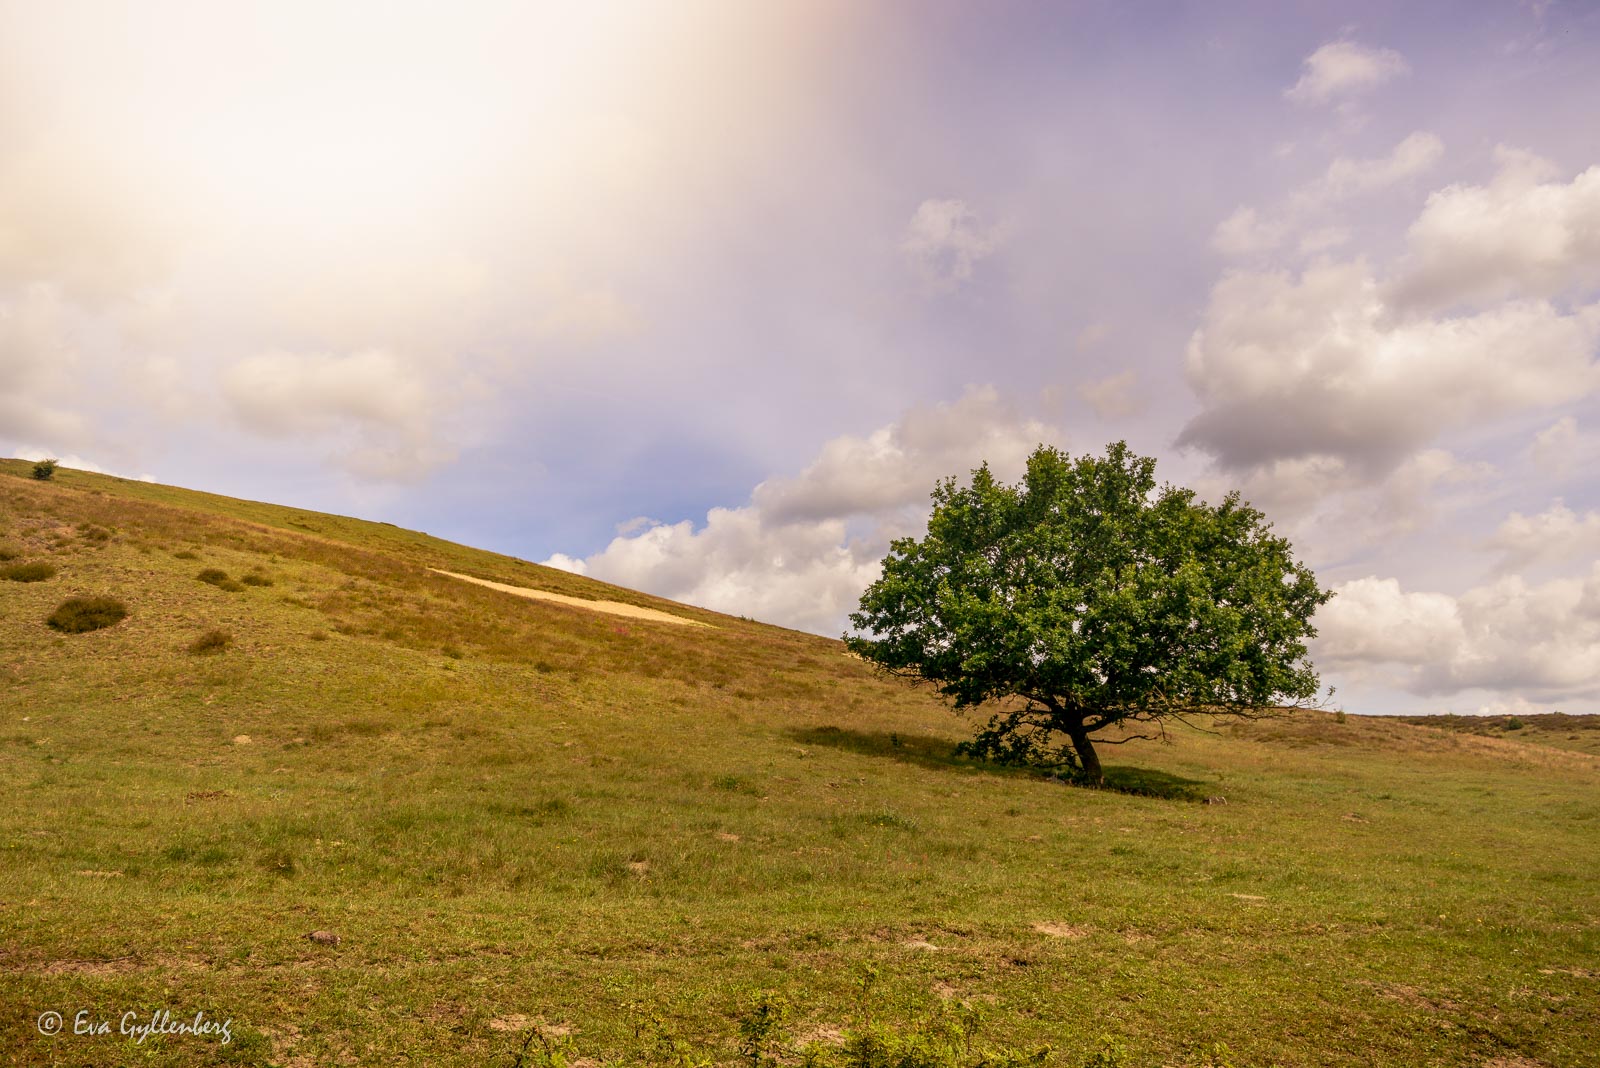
(44, 470)
(1085, 598)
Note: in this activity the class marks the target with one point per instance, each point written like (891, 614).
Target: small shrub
(761, 1030)
(256, 579)
(1514, 724)
(37, 571)
(215, 640)
(78, 615)
(90, 532)
(1111, 1054)
(44, 470)
(186, 554)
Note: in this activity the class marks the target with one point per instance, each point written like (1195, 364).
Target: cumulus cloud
(803, 548)
(1333, 510)
(563, 562)
(1523, 234)
(1291, 367)
(1340, 70)
(384, 408)
(1539, 641)
(945, 242)
(899, 464)
(800, 574)
(1556, 534)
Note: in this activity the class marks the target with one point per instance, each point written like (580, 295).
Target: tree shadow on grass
(1147, 782)
(928, 751)
(923, 750)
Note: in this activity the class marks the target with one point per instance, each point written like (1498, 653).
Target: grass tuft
(215, 640)
(215, 576)
(36, 571)
(79, 615)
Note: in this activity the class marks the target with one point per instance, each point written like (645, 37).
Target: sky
(703, 297)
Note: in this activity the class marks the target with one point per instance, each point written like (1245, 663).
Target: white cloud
(1332, 510)
(1246, 233)
(71, 460)
(1373, 620)
(1523, 234)
(1343, 69)
(1507, 637)
(583, 315)
(563, 562)
(1561, 448)
(1354, 177)
(945, 242)
(1323, 239)
(1556, 534)
(1091, 336)
(899, 464)
(1115, 397)
(382, 408)
(1291, 367)
(805, 546)
(801, 574)
(37, 364)
(1514, 706)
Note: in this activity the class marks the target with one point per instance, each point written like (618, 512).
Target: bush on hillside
(37, 571)
(78, 615)
(44, 470)
(255, 578)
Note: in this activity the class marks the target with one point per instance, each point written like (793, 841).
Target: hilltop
(527, 821)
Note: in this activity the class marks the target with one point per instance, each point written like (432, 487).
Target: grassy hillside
(532, 823)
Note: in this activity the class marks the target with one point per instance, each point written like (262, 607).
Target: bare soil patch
(615, 608)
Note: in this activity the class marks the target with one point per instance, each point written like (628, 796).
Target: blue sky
(702, 297)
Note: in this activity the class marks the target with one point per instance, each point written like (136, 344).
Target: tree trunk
(1087, 757)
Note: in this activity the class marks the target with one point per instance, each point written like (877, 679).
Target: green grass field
(530, 823)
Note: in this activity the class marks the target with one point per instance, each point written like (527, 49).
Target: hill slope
(522, 817)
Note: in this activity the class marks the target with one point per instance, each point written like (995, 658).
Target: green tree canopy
(1083, 597)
